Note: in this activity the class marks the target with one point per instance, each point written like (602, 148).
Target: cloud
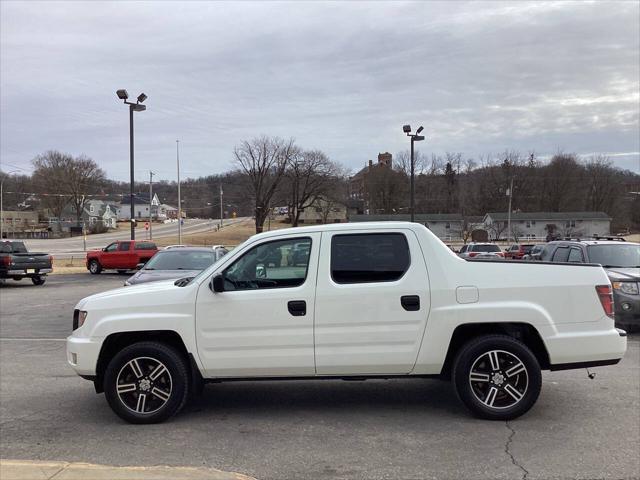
(342, 77)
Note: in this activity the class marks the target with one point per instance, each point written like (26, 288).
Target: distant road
(64, 247)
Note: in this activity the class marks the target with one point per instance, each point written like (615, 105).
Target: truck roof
(331, 227)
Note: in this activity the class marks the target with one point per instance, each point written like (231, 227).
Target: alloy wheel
(144, 385)
(498, 379)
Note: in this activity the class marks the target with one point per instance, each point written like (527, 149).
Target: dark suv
(621, 261)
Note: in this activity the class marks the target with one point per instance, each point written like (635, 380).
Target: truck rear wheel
(38, 280)
(94, 267)
(497, 377)
(147, 382)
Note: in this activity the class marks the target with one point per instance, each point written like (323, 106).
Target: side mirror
(217, 283)
(139, 266)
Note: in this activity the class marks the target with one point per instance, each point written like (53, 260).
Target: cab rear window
(368, 258)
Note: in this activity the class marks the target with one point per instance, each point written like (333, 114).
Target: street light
(6, 175)
(133, 107)
(415, 137)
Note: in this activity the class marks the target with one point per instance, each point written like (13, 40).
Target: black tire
(497, 377)
(94, 267)
(122, 272)
(38, 280)
(173, 383)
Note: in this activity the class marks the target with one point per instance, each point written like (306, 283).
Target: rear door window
(561, 254)
(368, 258)
(575, 256)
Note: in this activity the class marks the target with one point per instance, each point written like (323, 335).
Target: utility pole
(150, 203)
(510, 195)
(179, 200)
(221, 207)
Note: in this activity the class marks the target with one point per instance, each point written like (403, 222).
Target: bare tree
(264, 161)
(63, 179)
(601, 183)
(310, 175)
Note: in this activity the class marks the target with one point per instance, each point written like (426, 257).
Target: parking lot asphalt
(396, 429)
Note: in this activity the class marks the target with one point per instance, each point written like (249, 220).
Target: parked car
(175, 263)
(372, 300)
(516, 252)
(534, 253)
(621, 261)
(480, 250)
(16, 263)
(121, 256)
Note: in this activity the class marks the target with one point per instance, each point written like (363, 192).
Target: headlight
(81, 318)
(630, 288)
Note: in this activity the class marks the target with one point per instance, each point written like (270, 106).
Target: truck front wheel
(497, 377)
(94, 267)
(147, 382)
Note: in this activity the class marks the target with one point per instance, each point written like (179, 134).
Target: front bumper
(82, 354)
(627, 308)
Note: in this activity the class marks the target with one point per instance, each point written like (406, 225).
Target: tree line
(269, 172)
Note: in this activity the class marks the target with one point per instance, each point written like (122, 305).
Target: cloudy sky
(338, 76)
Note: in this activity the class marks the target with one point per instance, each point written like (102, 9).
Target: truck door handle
(411, 303)
(297, 308)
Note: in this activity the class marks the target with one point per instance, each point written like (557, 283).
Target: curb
(43, 470)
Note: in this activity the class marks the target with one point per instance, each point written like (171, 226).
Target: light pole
(179, 200)
(133, 107)
(151, 174)
(415, 137)
(6, 175)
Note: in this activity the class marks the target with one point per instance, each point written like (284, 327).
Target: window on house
(91, 208)
(447, 225)
(365, 258)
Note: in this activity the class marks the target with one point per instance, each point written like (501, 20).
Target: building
(165, 212)
(446, 226)
(141, 207)
(100, 212)
(324, 211)
(357, 183)
(547, 225)
(18, 221)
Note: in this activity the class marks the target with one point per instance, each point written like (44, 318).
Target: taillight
(51, 260)
(605, 294)
(473, 254)
(501, 254)
(6, 261)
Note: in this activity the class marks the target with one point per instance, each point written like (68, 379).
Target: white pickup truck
(375, 300)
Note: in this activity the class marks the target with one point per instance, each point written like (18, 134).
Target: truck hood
(129, 295)
(622, 274)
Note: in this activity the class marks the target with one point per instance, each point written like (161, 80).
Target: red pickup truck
(122, 256)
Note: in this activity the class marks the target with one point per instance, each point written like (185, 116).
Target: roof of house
(549, 216)
(419, 217)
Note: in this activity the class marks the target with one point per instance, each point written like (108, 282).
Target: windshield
(181, 260)
(618, 255)
(485, 248)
